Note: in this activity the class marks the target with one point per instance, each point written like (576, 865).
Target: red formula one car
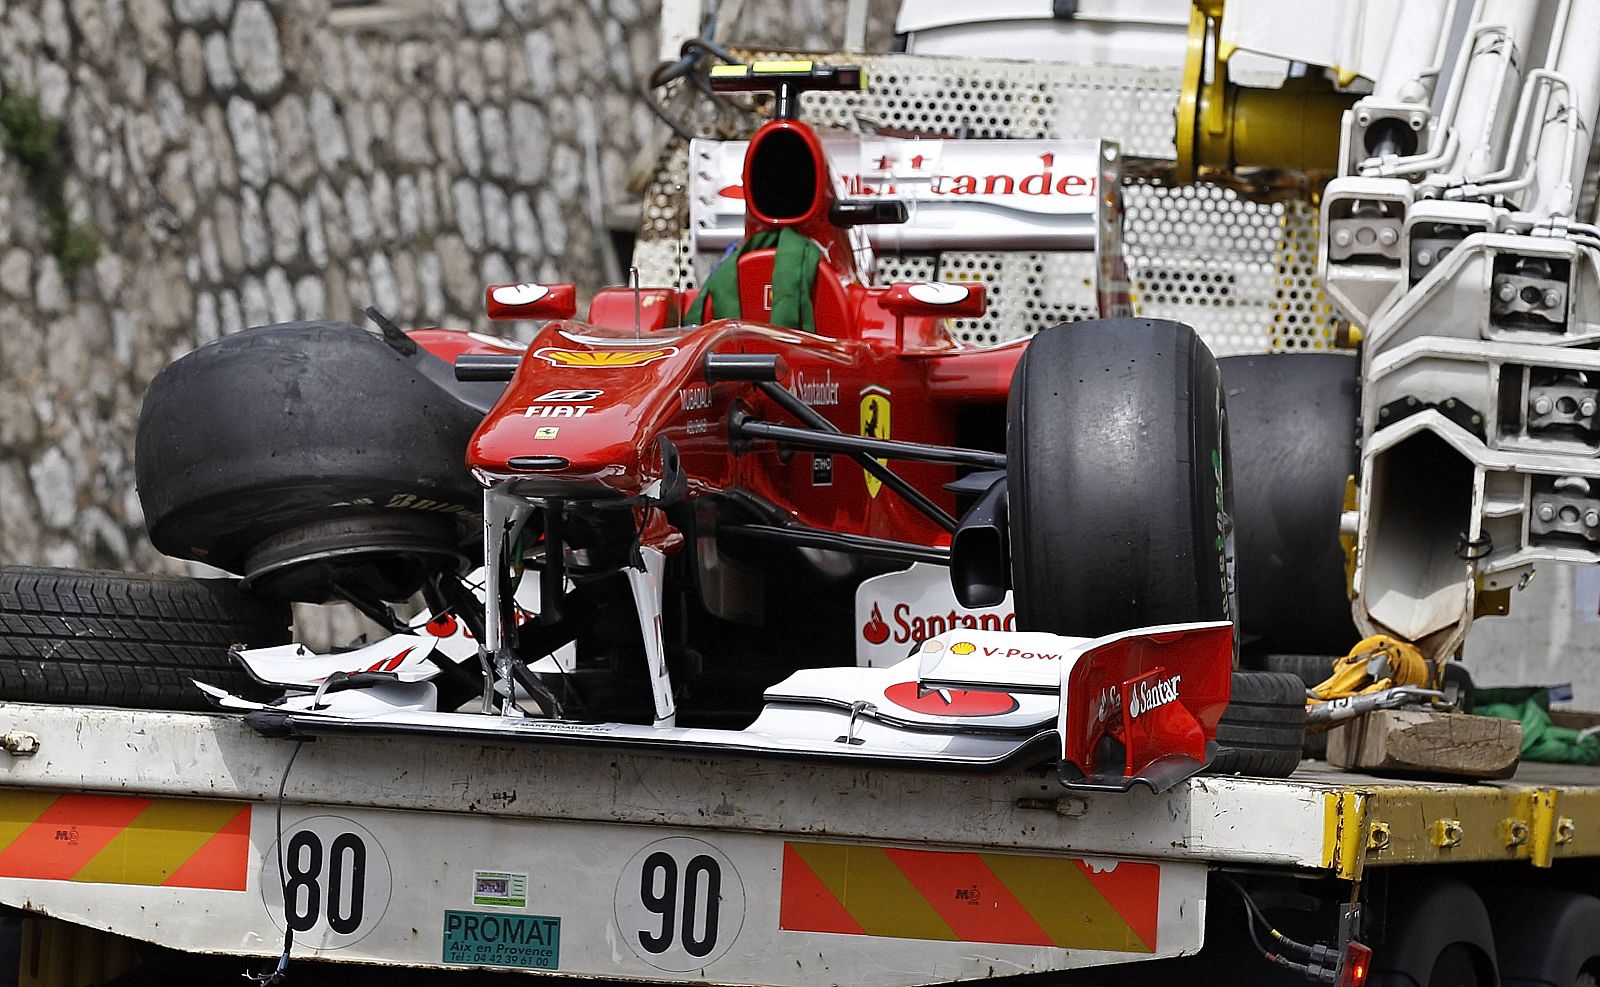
(690, 495)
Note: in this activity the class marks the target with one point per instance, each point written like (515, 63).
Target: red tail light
(1143, 706)
(1354, 965)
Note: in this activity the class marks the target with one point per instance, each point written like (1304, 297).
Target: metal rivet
(1546, 512)
(1552, 298)
(1587, 408)
(1542, 406)
(1341, 238)
(1424, 258)
(1506, 292)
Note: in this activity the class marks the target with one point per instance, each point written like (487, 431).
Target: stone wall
(240, 162)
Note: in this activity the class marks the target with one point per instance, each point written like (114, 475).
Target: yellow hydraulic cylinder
(1226, 128)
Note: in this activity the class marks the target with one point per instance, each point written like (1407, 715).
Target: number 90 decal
(336, 880)
(679, 904)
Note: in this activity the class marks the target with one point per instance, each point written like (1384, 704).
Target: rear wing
(961, 194)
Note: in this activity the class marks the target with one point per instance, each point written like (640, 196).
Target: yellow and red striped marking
(113, 839)
(969, 897)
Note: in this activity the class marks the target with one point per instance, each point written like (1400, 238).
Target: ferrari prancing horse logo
(874, 425)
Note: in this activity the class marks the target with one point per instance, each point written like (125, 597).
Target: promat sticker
(503, 889)
(523, 942)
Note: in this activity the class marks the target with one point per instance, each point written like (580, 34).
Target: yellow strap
(1351, 677)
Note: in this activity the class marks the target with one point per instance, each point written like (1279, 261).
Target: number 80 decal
(337, 880)
(679, 904)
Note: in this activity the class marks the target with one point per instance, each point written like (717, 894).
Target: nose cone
(578, 420)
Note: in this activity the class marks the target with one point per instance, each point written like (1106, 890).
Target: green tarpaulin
(1542, 740)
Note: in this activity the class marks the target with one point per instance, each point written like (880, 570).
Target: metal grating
(1242, 273)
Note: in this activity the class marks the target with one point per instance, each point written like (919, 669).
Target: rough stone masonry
(242, 162)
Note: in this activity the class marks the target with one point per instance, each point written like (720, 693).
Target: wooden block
(1405, 741)
(1574, 719)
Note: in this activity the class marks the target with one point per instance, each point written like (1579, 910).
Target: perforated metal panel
(1242, 273)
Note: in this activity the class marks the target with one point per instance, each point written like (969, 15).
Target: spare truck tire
(126, 639)
(313, 458)
(1263, 730)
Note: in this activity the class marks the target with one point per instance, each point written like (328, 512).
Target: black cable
(1323, 963)
(267, 978)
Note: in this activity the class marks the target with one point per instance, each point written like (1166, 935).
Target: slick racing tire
(125, 639)
(1292, 421)
(313, 458)
(1117, 480)
(1263, 730)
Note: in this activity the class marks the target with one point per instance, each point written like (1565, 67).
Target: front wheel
(1118, 480)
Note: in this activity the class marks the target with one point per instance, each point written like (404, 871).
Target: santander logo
(876, 631)
(1145, 696)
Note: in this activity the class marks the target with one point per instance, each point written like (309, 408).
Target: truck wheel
(1117, 476)
(1439, 936)
(126, 639)
(1292, 418)
(1546, 936)
(1263, 729)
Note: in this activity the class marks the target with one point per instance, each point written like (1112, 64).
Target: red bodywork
(599, 394)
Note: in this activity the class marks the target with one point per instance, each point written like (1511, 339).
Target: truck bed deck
(402, 852)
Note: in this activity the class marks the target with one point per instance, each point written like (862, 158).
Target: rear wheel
(1118, 482)
(1546, 936)
(126, 639)
(1439, 936)
(1292, 417)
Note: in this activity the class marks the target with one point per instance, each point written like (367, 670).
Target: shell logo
(603, 359)
(963, 648)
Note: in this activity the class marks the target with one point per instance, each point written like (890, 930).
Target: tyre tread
(126, 639)
(1262, 732)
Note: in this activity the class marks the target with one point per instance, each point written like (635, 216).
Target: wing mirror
(531, 301)
(939, 299)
